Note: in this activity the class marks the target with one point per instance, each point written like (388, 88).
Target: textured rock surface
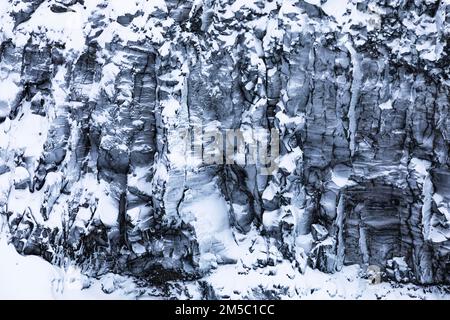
(93, 94)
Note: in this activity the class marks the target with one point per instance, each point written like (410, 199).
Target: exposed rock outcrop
(95, 96)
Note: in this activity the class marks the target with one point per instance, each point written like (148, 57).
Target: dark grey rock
(362, 111)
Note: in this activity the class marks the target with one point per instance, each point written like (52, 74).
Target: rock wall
(94, 94)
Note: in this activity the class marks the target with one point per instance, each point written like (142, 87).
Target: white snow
(340, 181)
(30, 277)
(289, 161)
(236, 282)
(286, 120)
(209, 216)
(270, 191)
(336, 9)
(212, 226)
(20, 175)
(64, 27)
(24, 277)
(346, 14)
(271, 219)
(8, 92)
(386, 105)
(28, 132)
(421, 168)
(164, 50)
(170, 108)
(109, 76)
(120, 7)
(108, 211)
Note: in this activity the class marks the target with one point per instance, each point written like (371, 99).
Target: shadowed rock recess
(92, 93)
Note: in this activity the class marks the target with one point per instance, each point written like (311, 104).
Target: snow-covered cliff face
(93, 92)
